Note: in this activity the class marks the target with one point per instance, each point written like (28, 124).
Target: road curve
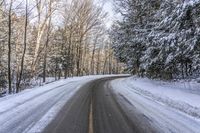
(20, 113)
(94, 109)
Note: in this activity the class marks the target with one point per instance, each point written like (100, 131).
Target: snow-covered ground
(172, 107)
(39, 81)
(31, 110)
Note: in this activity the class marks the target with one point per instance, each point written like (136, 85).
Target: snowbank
(172, 107)
(184, 96)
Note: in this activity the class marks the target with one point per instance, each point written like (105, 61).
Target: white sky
(108, 7)
(112, 15)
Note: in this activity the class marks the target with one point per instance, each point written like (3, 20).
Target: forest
(53, 38)
(41, 39)
(99, 66)
(158, 38)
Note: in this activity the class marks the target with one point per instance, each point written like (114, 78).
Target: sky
(108, 7)
(112, 15)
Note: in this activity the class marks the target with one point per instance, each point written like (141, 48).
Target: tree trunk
(93, 53)
(98, 61)
(47, 43)
(24, 51)
(9, 47)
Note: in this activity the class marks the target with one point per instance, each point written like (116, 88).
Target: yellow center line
(91, 130)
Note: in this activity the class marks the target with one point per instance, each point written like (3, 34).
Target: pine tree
(161, 40)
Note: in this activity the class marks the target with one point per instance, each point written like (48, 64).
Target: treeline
(52, 38)
(158, 38)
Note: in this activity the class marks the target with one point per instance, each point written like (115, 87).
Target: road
(90, 105)
(94, 109)
(20, 113)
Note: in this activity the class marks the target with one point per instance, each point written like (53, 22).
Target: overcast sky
(108, 7)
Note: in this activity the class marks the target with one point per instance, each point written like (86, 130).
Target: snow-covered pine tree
(130, 34)
(177, 37)
(163, 37)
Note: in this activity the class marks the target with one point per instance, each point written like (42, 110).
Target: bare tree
(38, 47)
(9, 45)
(42, 23)
(50, 11)
(24, 49)
(97, 41)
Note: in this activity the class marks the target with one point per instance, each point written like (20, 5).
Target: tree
(50, 11)
(159, 39)
(43, 19)
(34, 45)
(9, 45)
(24, 51)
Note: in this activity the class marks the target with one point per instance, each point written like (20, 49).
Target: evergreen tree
(160, 39)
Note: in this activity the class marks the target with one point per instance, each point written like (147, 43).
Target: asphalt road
(20, 115)
(95, 109)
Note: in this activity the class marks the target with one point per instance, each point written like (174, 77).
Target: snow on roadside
(49, 116)
(167, 108)
(184, 96)
(10, 101)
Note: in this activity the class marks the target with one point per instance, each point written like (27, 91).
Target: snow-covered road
(165, 108)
